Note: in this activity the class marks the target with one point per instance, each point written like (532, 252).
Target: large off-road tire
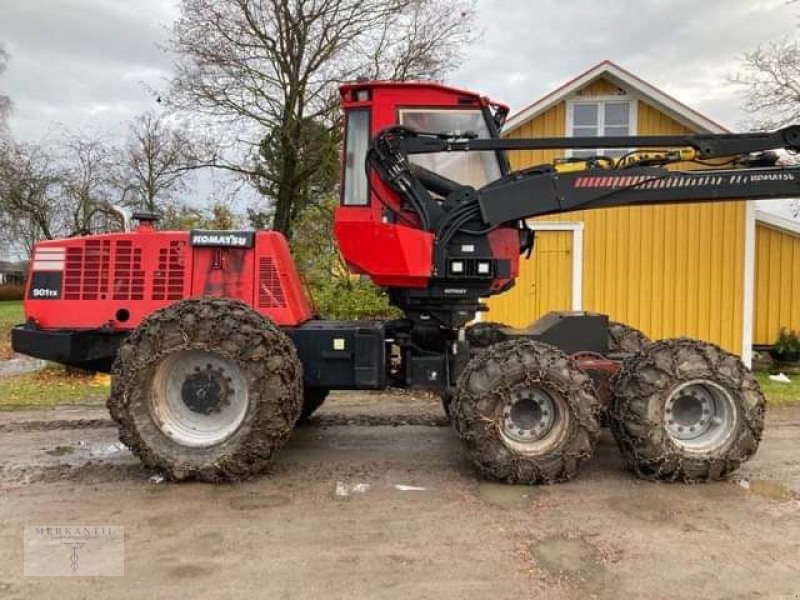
(526, 413)
(313, 398)
(206, 389)
(485, 333)
(480, 336)
(686, 410)
(624, 339)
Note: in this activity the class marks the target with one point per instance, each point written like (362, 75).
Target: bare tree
(153, 162)
(771, 74)
(5, 100)
(180, 216)
(29, 186)
(420, 40)
(69, 187)
(87, 186)
(272, 66)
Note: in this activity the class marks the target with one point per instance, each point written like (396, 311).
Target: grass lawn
(780, 394)
(52, 387)
(10, 315)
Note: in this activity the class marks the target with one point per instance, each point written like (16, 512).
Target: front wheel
(686, 410)
(526, 412)
(192, 403)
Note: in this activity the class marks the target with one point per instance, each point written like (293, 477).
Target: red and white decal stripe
(49, 258)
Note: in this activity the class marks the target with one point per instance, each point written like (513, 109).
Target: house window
(600, 118)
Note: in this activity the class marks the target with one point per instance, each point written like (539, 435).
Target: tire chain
(485, 333)
(625, 340)
(480, 336)
(579, 395)
(131, 362)
(629, 390)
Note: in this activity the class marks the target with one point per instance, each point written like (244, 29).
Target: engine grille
(168, 280)
(270, 292)
(86, 270)
(128, 273)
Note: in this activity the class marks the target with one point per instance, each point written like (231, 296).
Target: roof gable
(777, 222)
(626, 80)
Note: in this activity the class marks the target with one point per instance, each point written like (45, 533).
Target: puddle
(106, 450)
(514, 497)
(772, 490)
(644, 505)
(572, 558)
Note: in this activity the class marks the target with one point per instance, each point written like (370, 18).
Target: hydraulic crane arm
(637, 178)
(706, 145)
(539, 194)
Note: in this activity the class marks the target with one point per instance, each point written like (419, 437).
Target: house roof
(777, 222)
(627, 80)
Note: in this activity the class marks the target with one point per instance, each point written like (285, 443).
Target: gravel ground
(374, 499)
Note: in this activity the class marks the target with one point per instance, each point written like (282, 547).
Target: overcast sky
(90, 62)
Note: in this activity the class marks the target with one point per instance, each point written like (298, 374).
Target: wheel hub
(198, 398)
(206, 391)
(528, 415)
(700, 415)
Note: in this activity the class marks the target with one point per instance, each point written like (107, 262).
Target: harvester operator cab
(410, 247)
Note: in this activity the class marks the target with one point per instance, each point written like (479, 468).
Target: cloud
(82, 62)
(89, 63)
(684, 47)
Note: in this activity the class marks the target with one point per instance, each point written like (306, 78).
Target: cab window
(468, 168)
(355, 190)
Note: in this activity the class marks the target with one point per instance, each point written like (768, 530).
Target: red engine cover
(119, 279)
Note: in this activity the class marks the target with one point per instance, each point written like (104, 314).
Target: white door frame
(576, 227)
(748, 282)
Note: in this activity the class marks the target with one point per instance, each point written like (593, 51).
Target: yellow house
(722, 272)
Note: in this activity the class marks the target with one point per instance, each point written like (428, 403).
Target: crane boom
(596, 183)
(707, 145)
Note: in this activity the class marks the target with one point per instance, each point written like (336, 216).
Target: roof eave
(664, 102)
(777, 222)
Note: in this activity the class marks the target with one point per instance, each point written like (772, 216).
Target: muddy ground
(330, 521)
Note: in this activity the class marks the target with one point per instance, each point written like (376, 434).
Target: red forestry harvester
(216, 352)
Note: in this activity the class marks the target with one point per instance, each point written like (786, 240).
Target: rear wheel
(686, 410)
(526, 412)
(485, 333)
(192, 403)
(624, 339)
